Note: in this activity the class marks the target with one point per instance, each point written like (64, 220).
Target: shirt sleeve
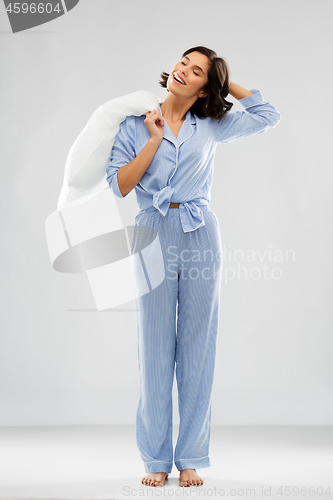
(258, 117)
(123, 151)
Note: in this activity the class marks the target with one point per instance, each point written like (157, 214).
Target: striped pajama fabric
(177, 325)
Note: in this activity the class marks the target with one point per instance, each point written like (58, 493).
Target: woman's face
(192, 70)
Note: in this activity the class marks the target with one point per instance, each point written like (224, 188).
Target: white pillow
(88, 158)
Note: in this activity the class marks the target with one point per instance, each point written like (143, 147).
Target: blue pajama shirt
(177, 321)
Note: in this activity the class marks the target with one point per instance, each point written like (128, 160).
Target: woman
(167, 155)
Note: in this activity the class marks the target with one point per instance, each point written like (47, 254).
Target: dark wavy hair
(214, 105)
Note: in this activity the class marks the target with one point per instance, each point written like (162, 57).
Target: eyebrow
(185, 57)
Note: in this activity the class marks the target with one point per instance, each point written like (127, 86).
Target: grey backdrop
(271, 194)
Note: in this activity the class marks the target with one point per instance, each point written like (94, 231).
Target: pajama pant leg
(197, 327)
(156, 338)
(192, 277)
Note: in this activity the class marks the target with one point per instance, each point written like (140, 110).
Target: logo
(25, 15)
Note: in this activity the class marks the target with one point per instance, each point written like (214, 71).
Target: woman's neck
(174, 110)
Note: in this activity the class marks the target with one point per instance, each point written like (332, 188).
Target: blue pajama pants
(177, 325)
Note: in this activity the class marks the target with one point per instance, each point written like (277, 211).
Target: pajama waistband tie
(191, 216)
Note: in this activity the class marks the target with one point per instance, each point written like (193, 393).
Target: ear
(203, 93)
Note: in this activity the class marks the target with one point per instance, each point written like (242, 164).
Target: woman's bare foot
(155, 478)
(189, 477)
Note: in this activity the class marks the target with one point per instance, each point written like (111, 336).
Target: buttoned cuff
(251, 100)
(115, 186)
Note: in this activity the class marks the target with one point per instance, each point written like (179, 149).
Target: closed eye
(193, 70)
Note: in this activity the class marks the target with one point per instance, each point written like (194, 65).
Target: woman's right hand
(155, 122)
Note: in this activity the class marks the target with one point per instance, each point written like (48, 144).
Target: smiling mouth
(178, 80)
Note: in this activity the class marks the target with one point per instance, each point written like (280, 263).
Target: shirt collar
(186, 129)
